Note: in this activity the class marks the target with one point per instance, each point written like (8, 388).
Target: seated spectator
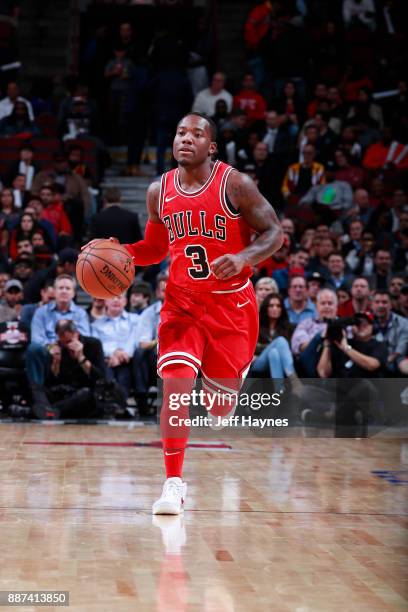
(319, 263)
(315, 282)
(43, 329)
(350, 145)
(28, 310)
(360, 357)
(262, 168)
(10, 307)
(360, 298)
(279, 140)
(77, 164)
(21, 195)
(25, 166)
(24, 231)
(381, 276)
(337, 277)
(277, 261)
(8, 211)
(23, 269)
(78, 122)
(307, 338)
(263, 287)
(53, 211)
(75, 193)
(114, 220)
(298, 261)
(140, 295)
(297, 304)
(96, 310)
(320, 96)
(35, 207)
(273, 354)
(386, 153)
(18, 123)
(332, 196)
(352, 240)
(250, 101)
(145, 358)
(290, 107)
(393, 330)
(75, 364)
(327, 139)
(394, 288)
(360, 260)
(13, 95)
(353, 175)
(301, 177)
(206, 99)
(118, 331)
(24, 249)
(364, 111)
(343, 296)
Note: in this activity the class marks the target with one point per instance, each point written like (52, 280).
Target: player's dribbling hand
(226, 266)
(95, 240)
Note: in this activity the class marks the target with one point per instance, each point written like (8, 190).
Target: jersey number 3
(198, 255)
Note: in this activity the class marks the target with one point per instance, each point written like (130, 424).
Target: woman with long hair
(8, 216)
(274, 354)
(25, 229)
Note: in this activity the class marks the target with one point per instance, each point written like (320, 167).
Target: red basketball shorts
(212, 332)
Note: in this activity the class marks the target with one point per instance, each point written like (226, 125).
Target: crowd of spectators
(319, 121)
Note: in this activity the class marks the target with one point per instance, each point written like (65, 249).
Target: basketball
(105, 269)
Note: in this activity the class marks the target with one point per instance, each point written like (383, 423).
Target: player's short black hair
(213, 127)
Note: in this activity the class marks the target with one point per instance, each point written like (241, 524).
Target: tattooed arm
(259, 214)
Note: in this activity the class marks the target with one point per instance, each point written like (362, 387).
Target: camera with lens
(335, 327)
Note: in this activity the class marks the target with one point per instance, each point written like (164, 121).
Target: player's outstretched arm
(259, 214)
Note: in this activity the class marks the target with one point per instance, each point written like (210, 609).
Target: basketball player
(203, 213)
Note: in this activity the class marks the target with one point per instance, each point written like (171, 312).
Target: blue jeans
(38, 361)
(276, 358)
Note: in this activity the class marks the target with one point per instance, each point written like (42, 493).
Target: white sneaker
(172, 497)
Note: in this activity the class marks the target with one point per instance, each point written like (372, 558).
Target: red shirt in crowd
(252, 103)
(55, 214)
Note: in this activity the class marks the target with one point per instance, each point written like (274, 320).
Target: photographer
(360, 357)
(76, 363)
(306, 341)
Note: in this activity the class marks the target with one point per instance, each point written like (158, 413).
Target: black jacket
(117, 222)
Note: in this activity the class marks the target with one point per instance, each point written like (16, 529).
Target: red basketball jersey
(202, 225)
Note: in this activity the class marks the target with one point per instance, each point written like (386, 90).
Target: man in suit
(113, 220)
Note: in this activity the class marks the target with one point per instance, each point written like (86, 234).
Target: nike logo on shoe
(167, 199)
(175, 453)
(244, 304)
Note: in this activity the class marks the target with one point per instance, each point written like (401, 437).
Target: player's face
(192, 143)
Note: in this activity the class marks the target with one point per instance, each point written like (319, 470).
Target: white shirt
(363, 11)
(6, 107)
(205, 101)
(270, 138)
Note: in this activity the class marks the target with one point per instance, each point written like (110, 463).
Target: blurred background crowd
(315, 112)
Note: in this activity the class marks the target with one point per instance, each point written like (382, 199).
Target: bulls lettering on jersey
(202, 226)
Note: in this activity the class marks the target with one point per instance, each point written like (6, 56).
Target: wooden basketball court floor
(297, 524)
